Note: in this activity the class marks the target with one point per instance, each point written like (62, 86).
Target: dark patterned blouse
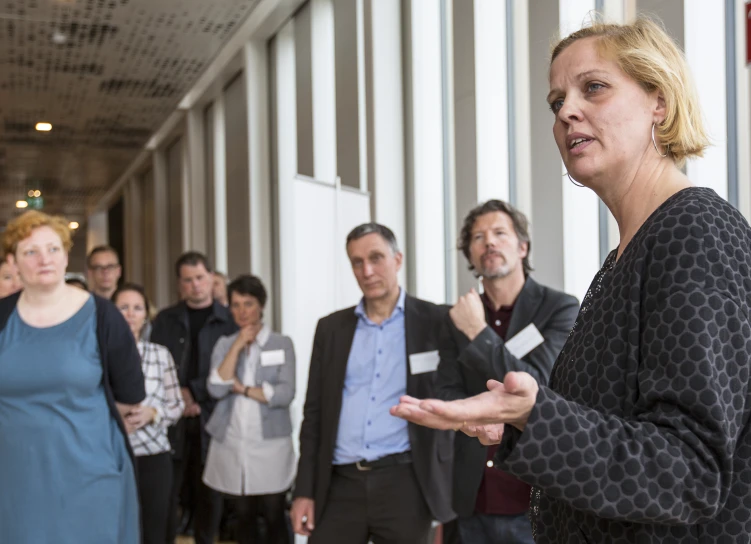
(643, 434)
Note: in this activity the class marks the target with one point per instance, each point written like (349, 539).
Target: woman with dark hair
(250, 457)
(147, 422)
(644, 433)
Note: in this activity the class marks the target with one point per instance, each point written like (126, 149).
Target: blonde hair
(645, 52)
(21, 227)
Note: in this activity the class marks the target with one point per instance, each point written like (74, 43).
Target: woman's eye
(592, 87)
(556, 105)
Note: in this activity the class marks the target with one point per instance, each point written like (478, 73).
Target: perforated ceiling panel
(106, 74)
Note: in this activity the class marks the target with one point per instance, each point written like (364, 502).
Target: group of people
(95, 403)
(515, 412)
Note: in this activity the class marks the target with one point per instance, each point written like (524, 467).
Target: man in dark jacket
(364, 473)
(515, 325)
(189, 329)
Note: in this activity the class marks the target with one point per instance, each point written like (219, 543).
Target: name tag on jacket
(272, 358)
(420, 363)
(525, 341)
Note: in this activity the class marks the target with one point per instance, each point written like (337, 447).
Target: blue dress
(65, 474)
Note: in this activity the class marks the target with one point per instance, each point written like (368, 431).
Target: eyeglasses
(102, 268)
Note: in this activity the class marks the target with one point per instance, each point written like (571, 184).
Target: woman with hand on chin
(147, 422)
(66, 358)
(644, 433)
(250, 456)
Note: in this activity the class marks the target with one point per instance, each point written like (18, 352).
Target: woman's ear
(660, 109)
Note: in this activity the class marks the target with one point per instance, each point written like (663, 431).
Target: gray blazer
(276, 422)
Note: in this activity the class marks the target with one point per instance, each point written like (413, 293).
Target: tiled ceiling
(106, 74)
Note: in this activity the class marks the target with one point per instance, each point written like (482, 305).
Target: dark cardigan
(121, 365)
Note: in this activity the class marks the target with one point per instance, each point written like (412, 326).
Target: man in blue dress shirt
(364, 474)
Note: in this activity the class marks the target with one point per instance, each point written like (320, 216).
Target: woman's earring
(572, 180)
(654, 143)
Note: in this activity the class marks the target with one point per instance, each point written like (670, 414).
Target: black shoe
(185, 525)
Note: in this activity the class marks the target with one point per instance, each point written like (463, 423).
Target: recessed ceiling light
(59, 38)
(43, 127)
(21, 204)
(37, 193)
(73, 225)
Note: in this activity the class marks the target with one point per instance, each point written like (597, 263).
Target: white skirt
(250, 467)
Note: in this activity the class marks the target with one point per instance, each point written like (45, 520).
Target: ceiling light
(31, 193)
(73, 225)
(43, 127)
(59, 38)
(21, 204)
(37, 193)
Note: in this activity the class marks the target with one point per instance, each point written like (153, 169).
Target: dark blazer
(466, 367)
(431, 450)
(171, 329)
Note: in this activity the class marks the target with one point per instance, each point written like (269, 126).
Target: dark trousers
(384, 504)
(271, 508)
(490, 529)
(204, 502)
(154, 489)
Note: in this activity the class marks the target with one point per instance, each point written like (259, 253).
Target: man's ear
(523, 249)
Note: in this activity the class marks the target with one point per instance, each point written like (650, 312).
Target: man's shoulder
(338, 318)
(170, 311)
(165, 321)
(425, 307)
(224, 316)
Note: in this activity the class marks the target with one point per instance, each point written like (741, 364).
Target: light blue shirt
(376, 378)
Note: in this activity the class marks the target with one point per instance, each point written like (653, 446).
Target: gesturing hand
(509, 402)
(468, 314)
(487, 434)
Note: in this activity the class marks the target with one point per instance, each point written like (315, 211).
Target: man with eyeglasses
(104, 270)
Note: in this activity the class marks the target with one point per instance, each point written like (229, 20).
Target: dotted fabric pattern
(643, 434)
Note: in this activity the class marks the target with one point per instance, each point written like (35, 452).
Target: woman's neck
(43, 297)
(645, 190)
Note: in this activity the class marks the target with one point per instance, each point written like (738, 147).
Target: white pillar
(324, 90)
(286, 148)
(220, 185)
(491, 92)
(260, 205)
(705, 51)
(522, 108)
(385, 139)
(426, 252)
